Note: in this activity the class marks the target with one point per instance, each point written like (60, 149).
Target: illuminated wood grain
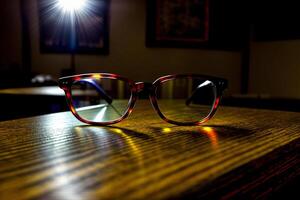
(239, 153)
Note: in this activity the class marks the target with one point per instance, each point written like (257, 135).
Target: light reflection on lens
(101, 115)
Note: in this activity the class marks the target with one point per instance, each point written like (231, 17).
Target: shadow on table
(160, 135)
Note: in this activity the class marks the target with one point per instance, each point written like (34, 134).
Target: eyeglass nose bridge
(143, 86)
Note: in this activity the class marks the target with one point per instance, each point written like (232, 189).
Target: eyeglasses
(103, 99)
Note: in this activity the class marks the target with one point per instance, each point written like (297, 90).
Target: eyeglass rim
(219, 83)
(66, 82)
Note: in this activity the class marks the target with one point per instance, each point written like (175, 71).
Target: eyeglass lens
(100, 100)
(187, 99)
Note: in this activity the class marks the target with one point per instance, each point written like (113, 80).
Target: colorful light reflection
(212, 135)
(166, 130)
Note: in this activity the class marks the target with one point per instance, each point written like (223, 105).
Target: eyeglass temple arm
(190, 99)
(106, 97)
(222, 84)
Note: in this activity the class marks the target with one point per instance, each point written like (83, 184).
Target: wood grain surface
(239, 153)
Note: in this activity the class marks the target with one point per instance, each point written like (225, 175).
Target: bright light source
(71, 5)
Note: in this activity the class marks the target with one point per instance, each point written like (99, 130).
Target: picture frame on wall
(83, 30)
(177, 23)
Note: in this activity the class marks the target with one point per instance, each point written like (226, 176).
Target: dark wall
(10, 44)
(276, 20)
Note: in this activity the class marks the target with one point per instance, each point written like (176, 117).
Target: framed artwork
(180, 23)
(74, 28)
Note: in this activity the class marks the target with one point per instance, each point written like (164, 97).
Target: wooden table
(239, 153)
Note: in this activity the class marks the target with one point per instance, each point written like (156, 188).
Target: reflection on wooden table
(240, 152)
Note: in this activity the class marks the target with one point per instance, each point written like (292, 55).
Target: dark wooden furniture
(41, 91)
(31, 101)
(241, 153)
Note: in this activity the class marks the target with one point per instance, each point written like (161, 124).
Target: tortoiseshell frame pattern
(65, 83)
